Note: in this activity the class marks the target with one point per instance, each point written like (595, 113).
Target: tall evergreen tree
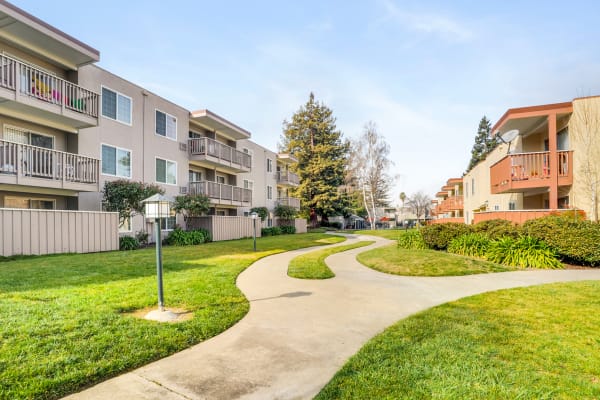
(312, 137)
(484, 143)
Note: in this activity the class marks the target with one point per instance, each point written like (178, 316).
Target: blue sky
(424, 71)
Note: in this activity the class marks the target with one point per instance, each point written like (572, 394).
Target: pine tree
(312, 138)
(484, 143)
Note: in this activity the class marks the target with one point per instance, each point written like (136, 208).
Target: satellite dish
(509, 135)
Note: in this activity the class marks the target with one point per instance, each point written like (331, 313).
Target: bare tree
(419, 204)
(585, 123)
(368, 166)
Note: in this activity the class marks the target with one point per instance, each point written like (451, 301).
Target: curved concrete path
(298, 333)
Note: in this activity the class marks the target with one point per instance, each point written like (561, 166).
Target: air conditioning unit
(183, 189)
(183, 146)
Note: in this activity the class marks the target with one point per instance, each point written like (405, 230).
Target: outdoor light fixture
(157, 207)
(254, 216)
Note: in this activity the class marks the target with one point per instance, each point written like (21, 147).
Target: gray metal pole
(254, 221)
(159, 269)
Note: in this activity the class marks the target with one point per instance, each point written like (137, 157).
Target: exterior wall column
(553, 160)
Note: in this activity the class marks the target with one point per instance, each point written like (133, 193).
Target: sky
(424, 71)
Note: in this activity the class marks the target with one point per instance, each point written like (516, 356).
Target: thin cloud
(431, 24)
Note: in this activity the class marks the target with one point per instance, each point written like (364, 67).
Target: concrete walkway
(298, 333)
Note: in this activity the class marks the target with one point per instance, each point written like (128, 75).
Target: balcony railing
(30, 81)
(287, 178)
(519, 216)
(289, 201)
(225, 154)
(452, 203)
(445, 220)
(222, 193)
(23, 160)
(529, 170)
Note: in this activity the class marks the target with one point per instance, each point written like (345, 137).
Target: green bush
(576, 241)
(262, 212)
(471, 244)
(273, 231)
(525, 252)
(142, 237)
(497, 228)
(128, 243)
(411, 239)
(288, 229)
(439, 236)
(179, 237)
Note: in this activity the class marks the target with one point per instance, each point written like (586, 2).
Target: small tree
(191, 205)
(484, 143)
(261, 211)
(285, 212)
(125, 197)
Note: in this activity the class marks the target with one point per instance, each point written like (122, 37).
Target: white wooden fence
(26, 232)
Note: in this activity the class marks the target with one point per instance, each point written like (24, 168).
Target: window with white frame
(26, 136)
(269, 165)
(116, 161)
(167, 223)
(166, 171)
(125, 226)
(269, 192)
(195, 176)
(248, 184)
(116, 106)
(166, 125)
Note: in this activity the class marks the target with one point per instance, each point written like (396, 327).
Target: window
(467, 189)
(269, 192)
(116, 161)
(116, 106)
(269, 165)
(166, 171)
(27, 202)
(166, 125)
(25, 136)
(473, 186)
(195, 176)
(512, 205)
(251, 154)
(167, 223)
(248, 184)
(220, 179)
(496, 207)
(125, 226)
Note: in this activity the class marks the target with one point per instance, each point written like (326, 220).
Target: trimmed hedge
(273, 231)
(288, 229)
(498, 228)
(411, 239)
(439, 236)
(179, 237)
(576, 241)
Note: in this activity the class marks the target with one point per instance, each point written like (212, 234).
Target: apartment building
(448, 204)
(43, 109)
(261, 180)
(550, 165)
(287, 181)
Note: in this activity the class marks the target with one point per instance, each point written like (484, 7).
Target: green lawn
(312, 265)
(64, 324)
(384, 233)
(394, 260)
(530, 343)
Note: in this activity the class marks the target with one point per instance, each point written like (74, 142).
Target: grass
(394, 260)
(529, 343)
(312, 265)
(384, 233)
(65, 323)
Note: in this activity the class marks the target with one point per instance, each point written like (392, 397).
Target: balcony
(289, 201)
(216, 154)
(32, 94)
(517, 216)
(26, 165)
(452, 203)
(222, 194)
(459, 220)
(519, 172)
(286, 178)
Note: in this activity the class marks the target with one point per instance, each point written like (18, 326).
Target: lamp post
(253, 215)
(158, 207)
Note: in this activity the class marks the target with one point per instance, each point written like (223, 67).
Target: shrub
(335, 224)
(128, 243)
(273, 231)
(411, 239)
(285, 212)
(471, 244)
(207, 235)
(288, 230)
(261, 211)
(574, 239)
(142, 237)
(525, 252)
(179, 237)
(438, 236)
(497, 228)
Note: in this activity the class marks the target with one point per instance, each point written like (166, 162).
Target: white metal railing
(210, 147)
(39, 162)
(220, 191)
(30, 81)
(287, 177)
(289, 201)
